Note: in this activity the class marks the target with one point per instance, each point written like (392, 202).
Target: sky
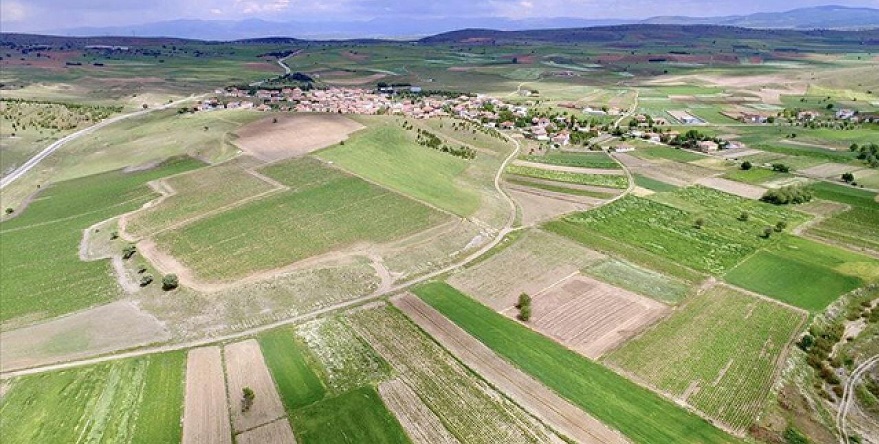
(40, 15)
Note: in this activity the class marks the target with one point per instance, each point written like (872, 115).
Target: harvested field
(245, 367)
(829, 170)
(115, 326)
(205, 412)
(568, 169)
(539, 205)
(590, 316)
(733, 187)
(421, 425)
(444, 384)
(640, 280)
(278, 432)
(293, 136)
(535, 262)
(555, 411)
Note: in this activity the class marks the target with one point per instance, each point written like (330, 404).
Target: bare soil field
(733, 187)
(245, 367)
(540, 205)
(591, 317)
(293, 136)
(533, 396)
(205, 411)
(545, 166)
(826, 170)
(107, 328)
(278, 432)
(420, 423)
(738, 153)
(535, 262)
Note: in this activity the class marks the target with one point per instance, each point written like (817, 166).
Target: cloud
(12, 11)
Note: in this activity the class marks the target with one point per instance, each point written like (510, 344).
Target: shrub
(744, 216)
(128, 251)
(746, 165)
(525, 313)
(767, 232)
(787, 195)
(170, 282)
(146, 280)
(780, 226)
(793, 436)
(114, 235)
(247, 397)
(9, 210)
(699, 223)
(780, 167)
(524, 300)
(848, 177)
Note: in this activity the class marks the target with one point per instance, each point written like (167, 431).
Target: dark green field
(358, 416)
(297, 383)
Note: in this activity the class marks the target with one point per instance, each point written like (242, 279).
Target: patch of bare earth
(245, 367)
(104, 329)
(420, 423)
(533, 396)
(205, 411)
(278, 432)
(293, 136)
(567, 169)
(733, 187)
(540, 205)
(589, 316)
(834, 170)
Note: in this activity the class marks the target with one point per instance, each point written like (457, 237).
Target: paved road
(508, 227)
(34, 161)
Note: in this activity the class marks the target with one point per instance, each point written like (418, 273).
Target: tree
(524, 306)
(699, 223)
(128, 251)
(780, 226)
(767, 232)
(146, 280)
(780, 167)
(746, 165)
(170, 282)
(744, 216)
(524, 300)
(848, 177)
(9, 210)
(247, 397)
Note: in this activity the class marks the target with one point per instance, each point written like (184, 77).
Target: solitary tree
(744, 216)
(848, 177)
(247, 397)
(524, 300)
(746, 165)
(524, 306)
(767, 232)
(128, 251)
(699, 223)
(170, 282)
(780, 226)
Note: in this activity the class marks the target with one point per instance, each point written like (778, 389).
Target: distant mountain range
(821, 17)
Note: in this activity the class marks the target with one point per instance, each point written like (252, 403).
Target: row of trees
(430, 140)
(787, 195)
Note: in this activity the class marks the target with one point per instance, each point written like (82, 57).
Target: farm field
(755, 176)
(444, 384)
(336, 212)
(245, 367)
(640, 280)
(857, 227)
(273, 138)
(389, 155)
(667, 153)
(49, 277)
(609, 181)
(537, 260)
(134, 400)
(356, 416)
(298, 385)
(422, 426)
(653, 184)
(589, 316)
(580, 160)
(721, 243)
(556, 187)
(719, 353)
(206, 409)
(643, 416)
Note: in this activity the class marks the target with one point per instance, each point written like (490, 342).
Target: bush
(780, 167)
(525, 313)
(780, 226)
(787, 195)
(128, 251)
(793, 436)
(114, 235)
(767, 232)
(848, 177)
(524, 300)
(146, 280)
(744, 216)
(9, 210)
(247, 397)
(746, 165)
(170, 282)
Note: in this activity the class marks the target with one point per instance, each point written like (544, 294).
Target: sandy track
(733, 187)
(205, 412)
(590, 316)
(534, 397)
(419, 422)
(293, 136)
(278, 432)
(103, 329)
(245, 367)
(567, 169)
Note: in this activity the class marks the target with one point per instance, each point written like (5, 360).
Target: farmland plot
(274, 138)
(346, 359)
(857, 228)
(582, 160)
(205, 414)
(197, 193)
(288, 362)
(421, 424)
(444, 384)
(278, 432)
(283, 228)
(357, 416)
(601, 180)
(591, 317)
(719, 353)
(640, 280)
(535, 262)
(245, 367)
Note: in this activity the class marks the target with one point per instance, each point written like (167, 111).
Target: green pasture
(609, 181)
(297, 383)
(581, 160)
(356, 416)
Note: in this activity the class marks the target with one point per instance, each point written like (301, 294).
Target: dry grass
(293, 136)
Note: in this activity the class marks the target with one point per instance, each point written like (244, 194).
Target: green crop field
(721, 243)
(199, 192)
(310, 219)
(42, 273)
(755, 175)
(298, 385)
(387, 154)
(581, 160)
(133, 400)
(560, 188)
(356, 416)
(718, 352)
(653, 184)
(640, 414)
(640, 280)
(609, 181)
(857, 227)
(662, 152)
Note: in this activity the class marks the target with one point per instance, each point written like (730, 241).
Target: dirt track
(205, 412)
(543, 403)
